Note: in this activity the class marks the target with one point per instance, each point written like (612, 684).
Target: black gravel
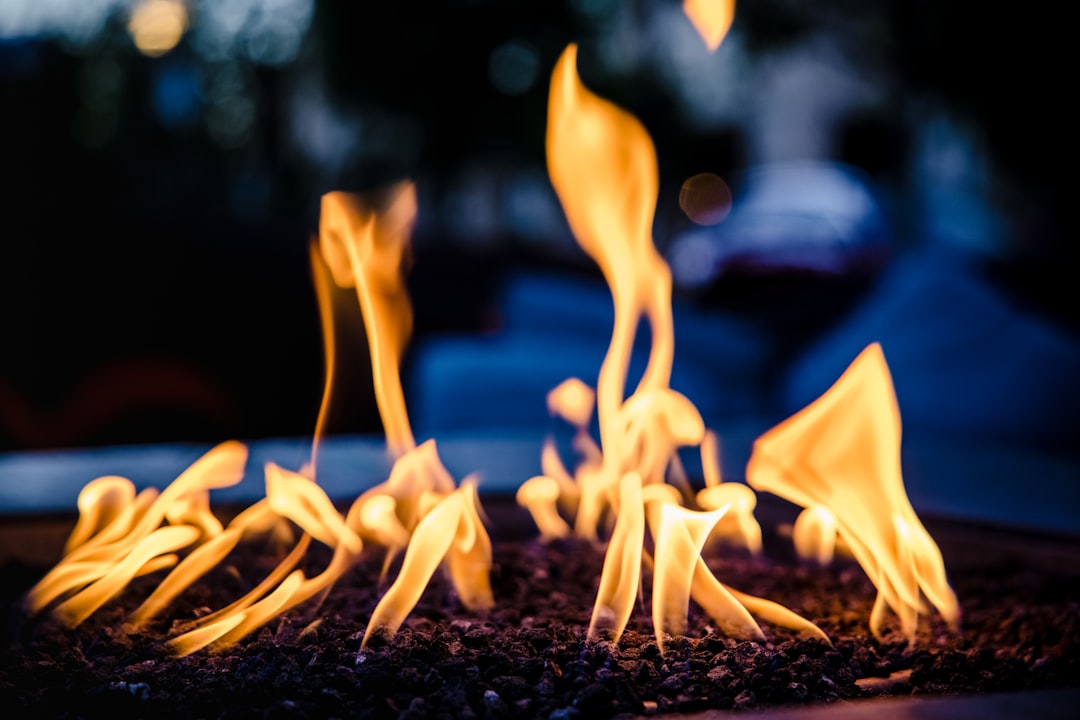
(529, 657)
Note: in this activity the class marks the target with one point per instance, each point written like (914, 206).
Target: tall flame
(711, 18)
(364, 247)
(603, 166)
(842, 453)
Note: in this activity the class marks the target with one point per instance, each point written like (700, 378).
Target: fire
(363, 244)
(119, 533)
(711, 18)
(839, 458)
(366, 250)
(603, 166)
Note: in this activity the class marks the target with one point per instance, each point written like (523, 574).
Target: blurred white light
(268, 32)
(326, 137)
(693, 259)
(75, 20)
(264, 31)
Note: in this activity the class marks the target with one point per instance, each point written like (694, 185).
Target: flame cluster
(838, 458)
(418, 509)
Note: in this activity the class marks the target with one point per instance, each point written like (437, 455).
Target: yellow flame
(112, 544)
(450, 533)
(161, 542)
(842, 453)
(217, 624)
(364, 240)
(738, 524)
(680, 534)
(540, 495)
(814, 534)
(101, 503)
(188, 571)
(573, 401)
(294, 590)
(711, 18)
(622, 564)
(294, 496)
(320, 275)
(603, 166)
(363, 244)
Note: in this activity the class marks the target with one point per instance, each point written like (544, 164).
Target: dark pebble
(528, 657)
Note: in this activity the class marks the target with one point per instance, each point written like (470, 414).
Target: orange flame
(603, 166)
(364, 247)
(364, 241)
(842, 453)
(363, 244)
(814, 534)
(622, 563)
(602, 163)
(451, 530)
(711, 18)
(320, 276)
(838, 458)
(120, 538)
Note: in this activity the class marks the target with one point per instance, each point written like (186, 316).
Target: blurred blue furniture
(558, 326)
(967, 364)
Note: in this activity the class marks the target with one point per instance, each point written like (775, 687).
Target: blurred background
(849, 171)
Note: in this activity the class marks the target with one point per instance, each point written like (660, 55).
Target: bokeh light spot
(705, 198)
(156, 26)
(513, 68)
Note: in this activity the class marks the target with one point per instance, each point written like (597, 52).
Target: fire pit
(594, 589)
(528, 657)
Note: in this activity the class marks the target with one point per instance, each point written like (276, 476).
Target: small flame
(321, 279)
(738, 524)
(622, 563)
(451, 530)
(711, 18)
(540, 495)
(814, 534)
(842, 453)
(680, 535)
(113, 544)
